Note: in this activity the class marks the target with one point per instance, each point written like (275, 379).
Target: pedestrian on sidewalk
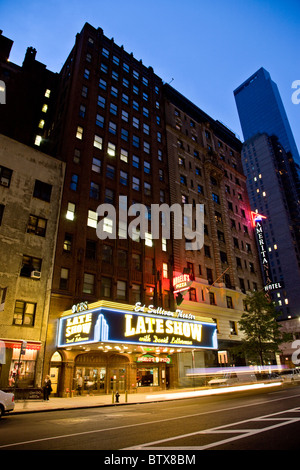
(47, 388)
(79, 384)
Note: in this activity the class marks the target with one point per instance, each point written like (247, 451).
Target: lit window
(98, 142)
(148, 239)
(165, 270)
(45, 108)
(88, 283)
(38, 140)
(70, 211)
(111, 149)
(164, 244)
(79, 132)
(47, 93)
(107, 225)
(41, 124)
(92, 219)
(124, 155)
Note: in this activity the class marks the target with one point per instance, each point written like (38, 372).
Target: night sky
(207, 48)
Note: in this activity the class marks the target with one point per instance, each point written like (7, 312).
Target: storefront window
(26, 369)
(93, 378)
(147, 377)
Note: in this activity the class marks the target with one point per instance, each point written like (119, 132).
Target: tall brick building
(122, 132)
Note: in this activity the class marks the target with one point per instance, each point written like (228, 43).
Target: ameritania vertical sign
(262, 248)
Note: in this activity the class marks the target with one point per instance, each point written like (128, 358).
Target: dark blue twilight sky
(208, 47)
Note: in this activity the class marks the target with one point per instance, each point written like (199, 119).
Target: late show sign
(135, 327)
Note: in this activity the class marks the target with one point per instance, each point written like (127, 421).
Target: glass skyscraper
(261, 110)
(273, 184)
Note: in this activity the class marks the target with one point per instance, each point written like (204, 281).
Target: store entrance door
(118, 380)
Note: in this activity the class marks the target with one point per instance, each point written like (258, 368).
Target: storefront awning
(11, 343)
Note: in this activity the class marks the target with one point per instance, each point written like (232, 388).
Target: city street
(251, 420)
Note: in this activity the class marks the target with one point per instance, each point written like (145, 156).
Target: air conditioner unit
(35, 275)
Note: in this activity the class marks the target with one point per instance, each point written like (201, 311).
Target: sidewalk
(90, 401)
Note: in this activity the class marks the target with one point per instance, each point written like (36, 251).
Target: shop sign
(135, 327)
(181, 283)
(153, 359)
(257, 223)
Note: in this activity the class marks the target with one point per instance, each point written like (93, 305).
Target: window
(42, 190)
(36, 225)
(99, 120)
(38, 140)
(229, 302)
(164, 244)
(105, 287)
(109, 196)
(70, 211)
(113, 108)
(111, 149)
(98, 142)
(136, 293)
(30, 264)
(74, 182)
(148, 239)
(76, 157)
(112, 128)
(82, 110)
(122, 259)
(101, 101)
(64, 278)
(107, 254)
(86, 74)
(121, 290)
(88, 283)
(165, 271)
(67, 246)
(105, 52)
(212, 299)
(24, 313)
(90, 249)
(123, 178)
(146, 147)
(94, 190)
(233, 327)
(135, 161)
(183, 179)
(96, 165)
(124, 155)
(125, 115)
(92, 219)
(108, 225)
(207, 251)
(216, 198)
(147, 189)
(135, 183)
(135, 141)
(124, 135)
(84, 91)
(102, 84)
(79, 133)
(110, 172)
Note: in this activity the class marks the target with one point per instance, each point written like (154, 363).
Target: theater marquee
(136, 327)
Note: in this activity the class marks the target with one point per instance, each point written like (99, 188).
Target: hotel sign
(257, 223)
(108, 325)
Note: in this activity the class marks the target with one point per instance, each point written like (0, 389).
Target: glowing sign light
(181, 283)
(255, 217)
